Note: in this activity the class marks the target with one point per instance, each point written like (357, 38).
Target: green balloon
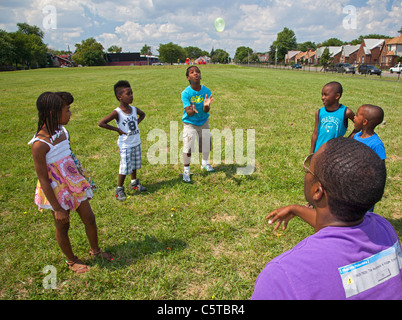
(219, 24)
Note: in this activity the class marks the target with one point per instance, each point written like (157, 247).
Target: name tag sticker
(372, 271)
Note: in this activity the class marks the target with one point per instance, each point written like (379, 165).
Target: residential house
(391, 51)
(349, 54)
(369, 51)
(335, 53)
(291, 56)
(263, 57)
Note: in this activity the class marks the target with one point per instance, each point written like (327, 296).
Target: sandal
(77, 266)
(100, 253)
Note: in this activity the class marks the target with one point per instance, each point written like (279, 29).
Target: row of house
(381, 52)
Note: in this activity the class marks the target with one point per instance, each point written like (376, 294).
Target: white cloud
(255, 23)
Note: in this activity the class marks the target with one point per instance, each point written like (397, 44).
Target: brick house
(349, 54)
(291, 56)
(391, 51)
(369, 51)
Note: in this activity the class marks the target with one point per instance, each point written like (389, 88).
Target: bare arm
(351, 115)
(104, 123)
(285, 214)
(315, 132)
(141, 115)
(207, 103)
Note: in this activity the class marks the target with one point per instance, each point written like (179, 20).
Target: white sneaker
(186, 177)
(207, 167)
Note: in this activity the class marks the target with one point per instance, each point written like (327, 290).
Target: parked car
(397, 68)
(345, 68)
(369, 69)
(157, 64)
(296, 66)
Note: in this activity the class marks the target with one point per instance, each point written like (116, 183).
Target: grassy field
(205, 240)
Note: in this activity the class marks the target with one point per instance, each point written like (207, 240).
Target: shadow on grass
(130, 251)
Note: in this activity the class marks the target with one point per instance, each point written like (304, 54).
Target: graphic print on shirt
(197, 99)
(130, 122)
(330, 124)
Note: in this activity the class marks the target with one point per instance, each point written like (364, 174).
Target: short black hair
(336, 85)
(353, 176)
(122, 84)
(188, 70)
(67, 97)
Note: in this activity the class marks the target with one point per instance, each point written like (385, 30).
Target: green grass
(205, 240)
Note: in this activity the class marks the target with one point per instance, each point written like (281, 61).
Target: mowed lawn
(205, 240)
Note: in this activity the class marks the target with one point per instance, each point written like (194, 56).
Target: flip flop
(77, 266)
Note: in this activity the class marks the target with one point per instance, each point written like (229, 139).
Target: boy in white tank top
(127, 119)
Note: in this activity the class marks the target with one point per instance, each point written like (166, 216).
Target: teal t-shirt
(189, 96)
(331, 124)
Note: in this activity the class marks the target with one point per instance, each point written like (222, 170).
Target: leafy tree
(243, 55)
(306, 46)
(114, 49)
(195, 52)
(28, 45)
(81, 55)
(146, 50)
(7, 49)
(220, 56)
(333, 42)
(171, 53)
(285, 41)
(326, 58)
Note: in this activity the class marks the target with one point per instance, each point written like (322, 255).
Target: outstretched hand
(284, 215)
(208, 101)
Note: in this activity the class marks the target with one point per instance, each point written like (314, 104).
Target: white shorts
(192, 132)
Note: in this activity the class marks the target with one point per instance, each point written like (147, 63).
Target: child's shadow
(236, 172)
(131, 251)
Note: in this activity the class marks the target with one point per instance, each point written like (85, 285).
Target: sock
(187, 169)
(204, 162)
(134, 181)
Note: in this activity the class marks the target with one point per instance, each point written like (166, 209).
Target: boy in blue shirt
(367, 118)
(196, 100)
(331, 121)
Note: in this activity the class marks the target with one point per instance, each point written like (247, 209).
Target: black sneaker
(120, 194)
(136, 186)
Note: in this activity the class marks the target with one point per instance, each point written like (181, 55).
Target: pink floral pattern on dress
(69, 186)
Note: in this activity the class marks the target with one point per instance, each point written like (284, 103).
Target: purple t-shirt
(360, 262)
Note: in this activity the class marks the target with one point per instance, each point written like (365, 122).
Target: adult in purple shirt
(353, 254)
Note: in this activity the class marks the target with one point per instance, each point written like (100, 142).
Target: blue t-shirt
(190, 96)
(331, 124)
(374, 142)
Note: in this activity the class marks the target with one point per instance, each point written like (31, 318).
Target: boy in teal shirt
(331, 121)
(196, 100)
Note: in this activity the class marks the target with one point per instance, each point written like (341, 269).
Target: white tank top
(128, 123)
(58, 151)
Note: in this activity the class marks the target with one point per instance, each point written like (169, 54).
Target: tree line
(25, 49)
